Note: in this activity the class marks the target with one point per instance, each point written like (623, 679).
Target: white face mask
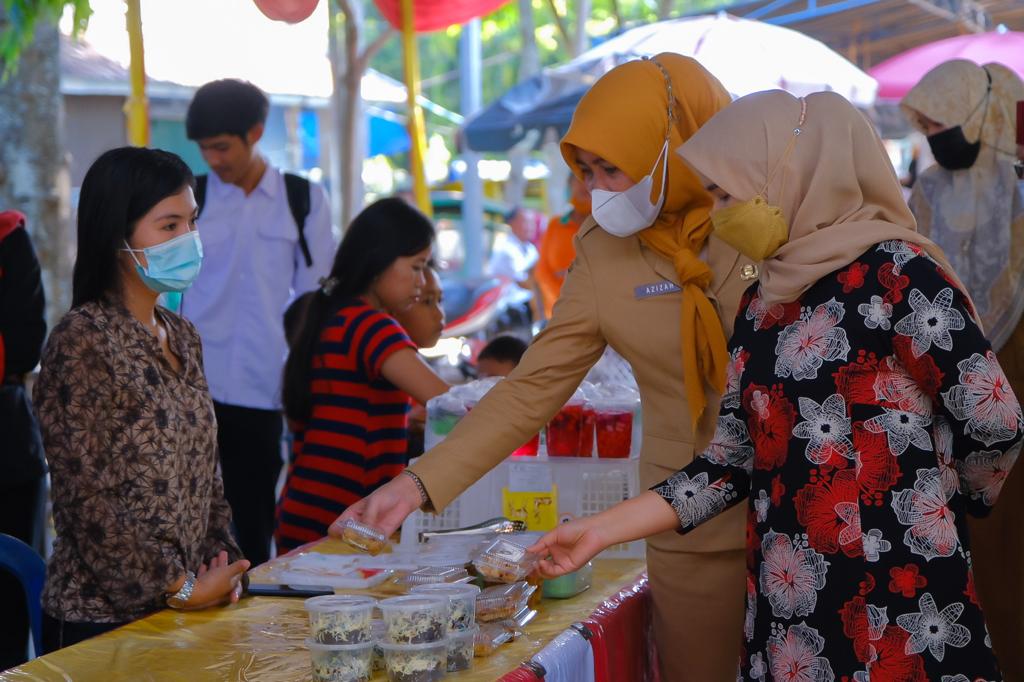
(625, 213)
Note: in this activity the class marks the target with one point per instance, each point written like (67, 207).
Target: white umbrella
(747, 56)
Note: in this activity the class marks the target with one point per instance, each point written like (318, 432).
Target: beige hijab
(976, 214)
(836, 188)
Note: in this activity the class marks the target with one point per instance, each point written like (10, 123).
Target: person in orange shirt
(556, 248)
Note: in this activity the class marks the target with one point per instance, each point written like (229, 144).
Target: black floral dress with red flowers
(863, 422)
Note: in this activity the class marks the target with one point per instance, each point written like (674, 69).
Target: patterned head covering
(976, 215)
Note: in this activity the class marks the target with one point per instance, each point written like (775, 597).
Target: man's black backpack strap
(297, 188)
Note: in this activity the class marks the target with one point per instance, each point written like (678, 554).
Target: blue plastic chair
(30, 570)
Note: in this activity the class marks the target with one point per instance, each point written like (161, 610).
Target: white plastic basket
(586, 486)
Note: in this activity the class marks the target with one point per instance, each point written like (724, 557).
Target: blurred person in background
(352, 369)
(970, 204)
(423, 321)
(126, 416)
(267, 238)
(557, 247)
(513, 255)
(500, 356)
(22, 330)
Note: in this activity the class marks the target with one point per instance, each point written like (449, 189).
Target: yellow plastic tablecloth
(261, 638)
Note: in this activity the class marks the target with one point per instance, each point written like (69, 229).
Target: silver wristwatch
(179, 599)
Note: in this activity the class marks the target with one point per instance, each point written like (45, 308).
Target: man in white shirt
(259, 253)
(513, 255)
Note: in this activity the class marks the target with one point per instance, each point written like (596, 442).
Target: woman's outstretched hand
(569, 547)
(384, 509)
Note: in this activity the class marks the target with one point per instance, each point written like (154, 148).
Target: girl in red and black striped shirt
(351, 371)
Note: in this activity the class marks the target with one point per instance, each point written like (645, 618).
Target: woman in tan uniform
(970, 204)
(658, 294)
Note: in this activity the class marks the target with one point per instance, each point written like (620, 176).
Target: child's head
(500, 356)
(423, 321)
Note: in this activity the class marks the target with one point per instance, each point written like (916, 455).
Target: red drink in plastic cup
(564, 432)
(529, 449)
(587, 431)
(614, 434)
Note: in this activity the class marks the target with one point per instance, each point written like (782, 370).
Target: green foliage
(18, 21)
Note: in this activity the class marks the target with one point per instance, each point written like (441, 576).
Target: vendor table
(261, 639)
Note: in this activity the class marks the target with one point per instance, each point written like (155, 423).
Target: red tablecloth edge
(620, 638)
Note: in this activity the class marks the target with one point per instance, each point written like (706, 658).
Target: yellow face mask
(755, 228)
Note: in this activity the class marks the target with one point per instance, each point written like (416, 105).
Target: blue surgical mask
(171, 266)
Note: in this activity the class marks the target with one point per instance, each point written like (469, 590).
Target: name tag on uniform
(656, 289)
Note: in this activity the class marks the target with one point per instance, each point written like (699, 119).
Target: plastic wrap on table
(621, 636)
(262, 638)
(567, 658)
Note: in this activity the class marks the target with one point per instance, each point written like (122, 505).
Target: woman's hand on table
(219, 582)
(569, 547)
(385, 508)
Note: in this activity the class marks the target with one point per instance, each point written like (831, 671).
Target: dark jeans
(57, 634)
(250, 458)
(19, 515)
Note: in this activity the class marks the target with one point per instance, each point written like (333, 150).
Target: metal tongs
(495, 525)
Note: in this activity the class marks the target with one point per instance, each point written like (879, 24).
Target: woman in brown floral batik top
(126, 414)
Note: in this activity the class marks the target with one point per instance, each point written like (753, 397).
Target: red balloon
(290, 11)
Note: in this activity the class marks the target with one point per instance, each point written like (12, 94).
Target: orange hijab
(623, 119)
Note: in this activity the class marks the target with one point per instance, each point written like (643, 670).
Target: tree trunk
(581, 38)
(665, 9)
(529, 65)
(33, 168)
(349, 123)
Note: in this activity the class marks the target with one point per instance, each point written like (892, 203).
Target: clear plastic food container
(433, 575)
(461, 649)
(363, 537)
(490, 636)
(570, 584)
(461, 603)
(379, 633)
(340, 619)
(504, 561)
(415, 619)
(502, 601)
(340, 662)
(416, 662)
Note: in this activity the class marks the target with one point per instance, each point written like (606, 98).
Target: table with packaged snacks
(285, 638)
(455, 596)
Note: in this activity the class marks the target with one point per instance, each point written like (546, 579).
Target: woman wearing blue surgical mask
(126, 415)
(649, 281)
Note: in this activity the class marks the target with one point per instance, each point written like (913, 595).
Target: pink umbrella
(897, 75)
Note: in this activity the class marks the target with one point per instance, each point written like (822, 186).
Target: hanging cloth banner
(433, 15)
